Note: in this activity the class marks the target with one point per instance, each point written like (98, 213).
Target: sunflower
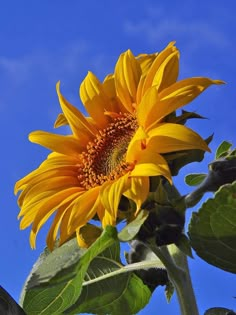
(115, 150)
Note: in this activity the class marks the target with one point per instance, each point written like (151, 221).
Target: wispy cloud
(70, 62)
(158, 25)
(17, 70)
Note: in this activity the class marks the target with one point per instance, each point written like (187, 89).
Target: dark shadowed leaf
(212, 230)
(8, 305)
(219, 311)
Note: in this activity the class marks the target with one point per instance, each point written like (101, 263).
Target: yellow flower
(115, 150)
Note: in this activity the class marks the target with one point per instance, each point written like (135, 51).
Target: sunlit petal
(138, 190)
(149, 162)
(61, 121)
(67, 145)
(159, 60)
(172, 137)
(84, 209)
(110, 196)
(94, 99)
(127, 75)
(78, 123)
(45, 210)
(168, 72)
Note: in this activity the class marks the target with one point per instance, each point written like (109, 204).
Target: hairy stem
(177, 267)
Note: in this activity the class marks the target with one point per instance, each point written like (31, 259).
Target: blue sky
(46, 41)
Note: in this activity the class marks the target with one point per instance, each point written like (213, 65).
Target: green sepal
(185, 115)
(169, 291)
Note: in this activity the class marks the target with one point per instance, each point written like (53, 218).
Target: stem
(184, 288)
(172, 258)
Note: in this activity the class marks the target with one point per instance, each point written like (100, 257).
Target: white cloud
(160, 26)
(17, 70)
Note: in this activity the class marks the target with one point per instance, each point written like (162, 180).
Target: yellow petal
(168, 72)
(109, 88)
(83, 209)
(30, 211)
(61, 121)
(146, 110)
(127, 75)
(52, 234)
(55, 159)
(47, 208)
(160, 59)
(155, 106)
(32, 192)
(169, 137)
(111, 193)
(135, 145)
(67, 145)
(138, 190)
(52, 166)
(64, 227)
(139, 94)
(145, 61)
(94, 99)
(107, 219)
(23, 181)
(78, 123)
(200, 83)
(149, 162)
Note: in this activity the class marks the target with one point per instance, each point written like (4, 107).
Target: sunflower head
(112, 154)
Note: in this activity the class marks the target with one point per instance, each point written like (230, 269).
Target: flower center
(104, 159)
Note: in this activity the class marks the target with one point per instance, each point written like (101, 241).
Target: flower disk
(114, 151)
(104, 159)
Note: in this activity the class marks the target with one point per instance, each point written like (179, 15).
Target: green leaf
(219, 311)
(55, 282)
(105, 294)
(212, 230)
(8, 305)
(131, 229)
(223, 149)
(195, 179)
